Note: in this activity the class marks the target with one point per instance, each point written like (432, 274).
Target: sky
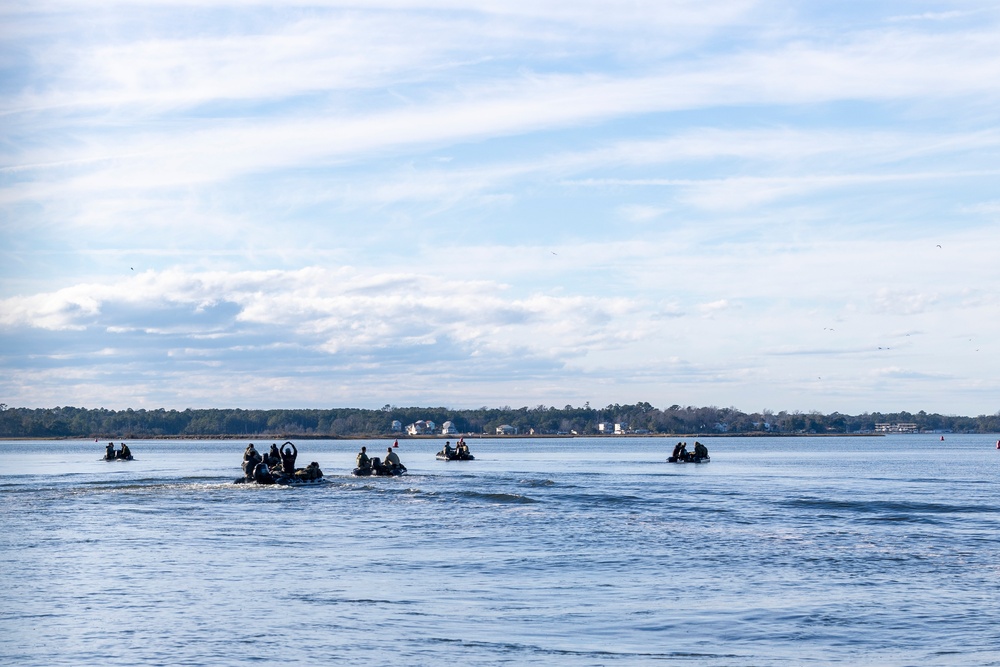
(752, 204)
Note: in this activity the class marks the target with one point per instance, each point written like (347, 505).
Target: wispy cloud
(475, 202)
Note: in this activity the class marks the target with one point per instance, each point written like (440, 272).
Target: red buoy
(395, 443)
(942, 437)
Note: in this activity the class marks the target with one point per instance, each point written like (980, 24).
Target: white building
(397, 426)
(421, 427)
(448, 428)
(506, 429)
(418, 427)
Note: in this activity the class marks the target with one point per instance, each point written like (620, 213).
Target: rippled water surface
(585, 551)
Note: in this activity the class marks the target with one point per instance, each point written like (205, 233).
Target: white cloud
(723, 202)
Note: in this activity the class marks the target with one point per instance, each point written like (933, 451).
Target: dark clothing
(262, 475)
(288, 454)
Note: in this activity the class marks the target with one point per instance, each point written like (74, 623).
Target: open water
(585, 551)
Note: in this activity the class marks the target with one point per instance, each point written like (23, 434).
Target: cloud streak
(499, 202)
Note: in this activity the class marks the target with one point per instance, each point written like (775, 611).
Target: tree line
(640, 418)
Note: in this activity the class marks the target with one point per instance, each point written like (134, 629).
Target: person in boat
(448, 451)
(683, 454)
(391, 459)
(700, 451)
(462, 449)
(125, 453)
(310, 472)
(273, 457)
(262, 474)
(251, 457)
(288, 454)
(677, 451)
(364, 463)
(109, 452)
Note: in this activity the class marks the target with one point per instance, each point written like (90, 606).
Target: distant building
(397, 426)
(506, 429)
(621, 429)
(605, 427)
(421, 427)
(448, 428)
(418, 427)
(896, 428)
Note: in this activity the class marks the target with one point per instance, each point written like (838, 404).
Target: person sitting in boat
(262, 474)
(677, 451)
(125, 453)
(364, 463)
(273, 457)
(462, 449)
(288, 454)
(310, 472)
(109, 452)
(448, 451)
(683, 454)
(700, 451)
(391, 459)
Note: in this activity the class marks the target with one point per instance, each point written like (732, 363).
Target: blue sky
(764, 205)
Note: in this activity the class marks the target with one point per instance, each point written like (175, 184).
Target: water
(790, 551)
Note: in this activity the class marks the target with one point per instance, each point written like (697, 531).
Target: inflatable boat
(379, 469)
(454, 456)
(690, 459)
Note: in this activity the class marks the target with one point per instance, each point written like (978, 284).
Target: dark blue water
(842, 551)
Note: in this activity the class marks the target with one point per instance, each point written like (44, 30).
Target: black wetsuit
(288, 454)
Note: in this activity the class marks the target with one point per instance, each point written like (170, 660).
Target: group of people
(123, 454)
(390, 465)
(682, 455)
(276, 463)
(460, 451)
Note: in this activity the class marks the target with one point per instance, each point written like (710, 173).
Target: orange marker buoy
(395, 443)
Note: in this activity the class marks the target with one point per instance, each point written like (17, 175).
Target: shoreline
(483, 436)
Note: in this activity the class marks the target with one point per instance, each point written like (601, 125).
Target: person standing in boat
(288, 454)
(364, 463)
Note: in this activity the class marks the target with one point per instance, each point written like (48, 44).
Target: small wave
(887, 506)
(537, 483)
(513, 647)
(502, 498)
